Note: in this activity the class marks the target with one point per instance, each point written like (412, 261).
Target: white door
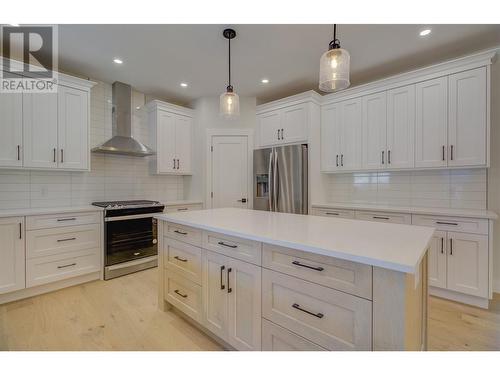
(183, 144)
(12, 254)
(165, 153)
(40, 130)
(467, 262)
(401, 127)
(467, 122)
(73, 128)
(11, 130)
(350, 135)
(374, 131)
(270, 128)
(330, 137)
(294, 124)
(244, 291)
(437, 260)
(229, 171)
(215, 296)
(431, 123)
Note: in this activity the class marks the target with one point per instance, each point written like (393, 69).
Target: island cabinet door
(244, 291)
(437, 260)
(215, 296)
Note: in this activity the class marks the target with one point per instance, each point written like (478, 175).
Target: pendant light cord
(229, 62)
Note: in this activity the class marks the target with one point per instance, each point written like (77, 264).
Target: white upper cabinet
(350, 135)
(374, 131)
(270, 128)
(467, 118)
(73, 108)
(171, 136)
(12, 254)
(40, 130)
(401, 127)
(330, 137)
(294, 124)
(11, 130)
(431, 123)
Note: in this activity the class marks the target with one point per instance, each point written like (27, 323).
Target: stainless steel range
(130, 236)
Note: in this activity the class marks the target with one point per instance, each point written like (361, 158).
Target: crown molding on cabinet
(154, 105)
(308, 96)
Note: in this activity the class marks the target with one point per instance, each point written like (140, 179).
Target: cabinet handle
(179, 232)
(67, 265)
(67, 239)
(180, 259)
(222, 286)
(342, 160)
(443, 152)
(381, 217)
(282, 134)
(332, 213)
(174, 164)
(389, 157)
(62, 155)
(297, 263)
(278, 134)
(451, 153)
(229, 290)
(337, 160)
(179, 293)
(451, 246)
(20, 231)
(18, 152)
(67, 219)
(382, 157)
(442, 245)
(317, 315)
(178, 164)
(55, 155)
(182, 209)
(227, 245)
(445, 223)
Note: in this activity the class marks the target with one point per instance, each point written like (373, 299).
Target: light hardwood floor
(122, 314)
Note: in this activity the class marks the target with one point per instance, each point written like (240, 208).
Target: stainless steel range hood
(122, 142)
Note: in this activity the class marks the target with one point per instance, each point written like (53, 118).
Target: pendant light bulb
(229, 106)
(334, 67)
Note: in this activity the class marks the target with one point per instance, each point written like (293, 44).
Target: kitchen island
(257, 280)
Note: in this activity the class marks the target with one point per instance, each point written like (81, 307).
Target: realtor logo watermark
(29, 59)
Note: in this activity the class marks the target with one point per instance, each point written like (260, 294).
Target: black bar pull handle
(222, 286)
(229, 290)
(381, 217)
(180, 259)
(179, 293)
(337, 160)
(451, 246)
(67, 219)
(18, 152)
(297, 263)
(67, 239)
(20, 231)
(179, 232)
(451, 152)
(227, 245)
(445, 223)
(67, 265)
(442, 245)
(317, 315)
(332, 213)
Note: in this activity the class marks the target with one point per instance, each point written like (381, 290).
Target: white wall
(207, 117)
(111, 177)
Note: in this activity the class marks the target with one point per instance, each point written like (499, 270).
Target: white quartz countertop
(393, 246)
(47, 210)
(459, 212)
(181, 202)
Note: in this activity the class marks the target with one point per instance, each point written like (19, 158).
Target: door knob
(242, 200)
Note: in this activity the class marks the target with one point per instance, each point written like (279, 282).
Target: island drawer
(62, 220)
(456, 224)
(384, 217)
(183, 258)
(52, 268)
(184, 294)
(234, 247)
(334, 212)
(276, 338)
(44, 242)
(184, 207)
(330, 318)
(350, 277)
(183, 233)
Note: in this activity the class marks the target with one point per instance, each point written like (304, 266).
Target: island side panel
(400, 309)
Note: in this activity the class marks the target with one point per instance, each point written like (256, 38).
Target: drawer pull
(297, 306)
(67, 239)
(381, 217)
(227, 245)
(445, 223)
(179, 232)
(306, 266)
(182, 209)
(229, 290)
(222, 286)
(332, 213)
(67, 219)
(67, 265)
(180, 259)
(179, 293)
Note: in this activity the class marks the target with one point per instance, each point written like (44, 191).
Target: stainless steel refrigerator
(280, 179)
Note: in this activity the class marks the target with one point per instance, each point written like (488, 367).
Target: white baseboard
(459, 297)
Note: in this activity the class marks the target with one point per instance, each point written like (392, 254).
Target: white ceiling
(157, 58)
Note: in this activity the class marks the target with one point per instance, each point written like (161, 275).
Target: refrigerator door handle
(270, 177)
(275, 180)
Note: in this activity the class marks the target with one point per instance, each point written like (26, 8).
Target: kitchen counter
(395, 247)
(47, 210)
(458, 212)
(181, 202)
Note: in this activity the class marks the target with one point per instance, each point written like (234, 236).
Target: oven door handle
(131, 217)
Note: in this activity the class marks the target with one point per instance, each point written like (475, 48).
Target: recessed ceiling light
(425, 32)
(117, 61)
(265, 80)
(183, 84)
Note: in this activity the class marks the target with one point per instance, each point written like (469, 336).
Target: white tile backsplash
(463, 188)
(111, 177)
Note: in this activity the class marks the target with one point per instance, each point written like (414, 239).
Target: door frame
(249, 133)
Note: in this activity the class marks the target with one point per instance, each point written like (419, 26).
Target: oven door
(129, 238)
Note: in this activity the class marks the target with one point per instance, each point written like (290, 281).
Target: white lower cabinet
(437, 260)
(276, 338)
(12, 254)
(232, 300)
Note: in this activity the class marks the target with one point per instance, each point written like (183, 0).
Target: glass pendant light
(229, 100)
(334, 67)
